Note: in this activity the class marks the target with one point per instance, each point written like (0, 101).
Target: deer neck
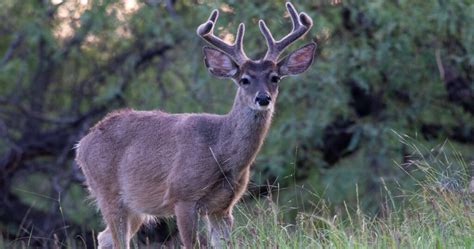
(242, 134)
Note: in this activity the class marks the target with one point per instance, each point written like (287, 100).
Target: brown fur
(141, 164)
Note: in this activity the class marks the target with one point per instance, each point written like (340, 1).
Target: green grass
(438, 220)
(432, 209)
(437, 211)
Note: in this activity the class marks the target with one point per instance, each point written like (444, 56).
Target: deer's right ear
(219, 64)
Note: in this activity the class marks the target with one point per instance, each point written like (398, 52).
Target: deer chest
(225, 194)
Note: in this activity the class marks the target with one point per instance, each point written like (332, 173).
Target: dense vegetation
(381, 66)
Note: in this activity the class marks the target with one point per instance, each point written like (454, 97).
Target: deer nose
(263, 99)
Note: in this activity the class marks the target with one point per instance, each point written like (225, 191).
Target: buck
(142, 164)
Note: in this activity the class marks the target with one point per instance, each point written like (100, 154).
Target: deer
(140, 165)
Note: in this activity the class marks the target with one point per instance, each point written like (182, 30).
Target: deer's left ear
(297, 61)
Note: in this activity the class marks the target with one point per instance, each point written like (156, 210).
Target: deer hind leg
(186, 217)
(118, 230)
(123, 233)
(119, 221)
(219, 228)
(105, 239)
(136, 221)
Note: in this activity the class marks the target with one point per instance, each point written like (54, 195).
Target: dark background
(381, 67)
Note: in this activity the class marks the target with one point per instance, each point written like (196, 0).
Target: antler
(301, 24)
(206, 31)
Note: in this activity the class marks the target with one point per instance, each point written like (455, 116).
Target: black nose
(263, 99)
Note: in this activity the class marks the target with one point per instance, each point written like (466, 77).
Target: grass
(437, 213)
(438, 221)
(434, 211)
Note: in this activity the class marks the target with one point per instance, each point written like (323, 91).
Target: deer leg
(119, 228)
(186, 217)
(105, 239)
(136, 222)
(219, 228)
(117, 233)
(124, 234)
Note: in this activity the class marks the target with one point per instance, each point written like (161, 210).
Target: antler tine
(271, 46)
(236, 51)
(239, 38)
(301, 24)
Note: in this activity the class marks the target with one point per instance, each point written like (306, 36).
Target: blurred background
(381, 68)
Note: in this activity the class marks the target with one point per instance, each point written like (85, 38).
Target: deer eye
(275, 79)
(244, 81)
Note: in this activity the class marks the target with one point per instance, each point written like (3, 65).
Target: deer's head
(257, 79)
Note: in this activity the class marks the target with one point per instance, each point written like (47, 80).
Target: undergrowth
(436, 213)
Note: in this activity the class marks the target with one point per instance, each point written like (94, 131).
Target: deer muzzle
(263, 99)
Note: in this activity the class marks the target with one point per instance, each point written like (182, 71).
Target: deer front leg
(186, 217)
(219, 228)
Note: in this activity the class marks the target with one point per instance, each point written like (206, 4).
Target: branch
(11, 48)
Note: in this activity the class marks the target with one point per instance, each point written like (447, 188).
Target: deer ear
(297, 61)
(219, 64)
